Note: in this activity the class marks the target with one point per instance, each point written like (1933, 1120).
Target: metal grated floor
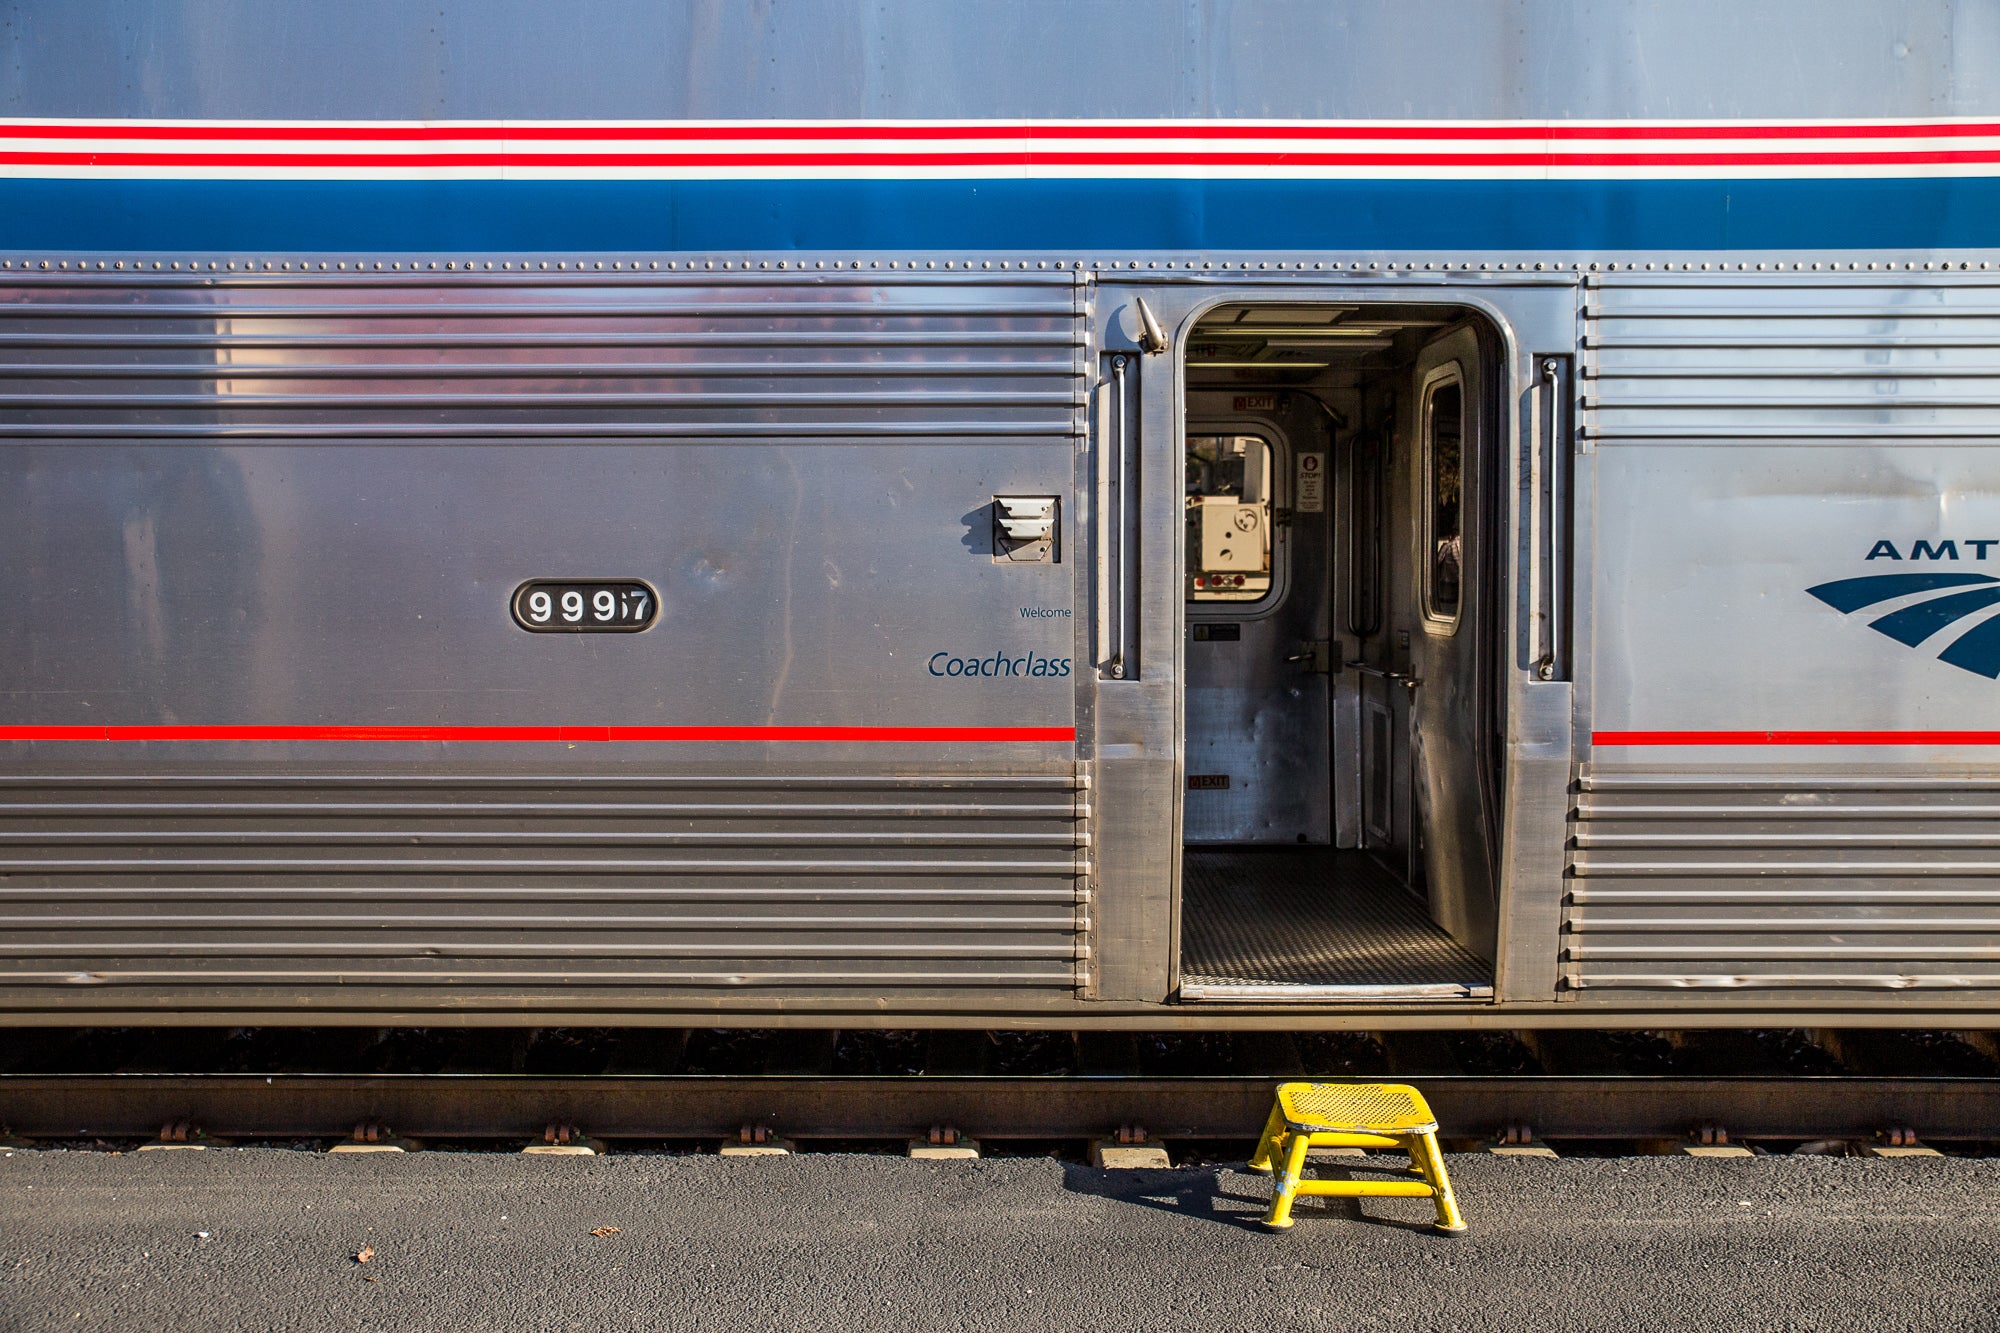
(1310, 916)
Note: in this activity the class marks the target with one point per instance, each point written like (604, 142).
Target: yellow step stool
(1353, 1115)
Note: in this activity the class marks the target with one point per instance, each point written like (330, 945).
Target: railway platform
(268, 1238)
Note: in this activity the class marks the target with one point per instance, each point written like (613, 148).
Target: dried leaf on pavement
(605, 1231)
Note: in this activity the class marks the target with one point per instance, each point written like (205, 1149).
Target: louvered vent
(1796, 356)
(507, 356)
(1793, 884)
(271, 893)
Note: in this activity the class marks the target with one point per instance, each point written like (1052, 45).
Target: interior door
(1257, 731)
(1454, 423)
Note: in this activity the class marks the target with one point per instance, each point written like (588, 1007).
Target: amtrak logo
(1950, 599)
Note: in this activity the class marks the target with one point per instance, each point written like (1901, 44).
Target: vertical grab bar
(1553, 526)
(1121, 429)
(1101, 648)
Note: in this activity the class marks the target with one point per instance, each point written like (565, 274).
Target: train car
(908, 514)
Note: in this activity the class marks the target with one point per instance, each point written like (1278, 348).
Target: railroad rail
(488, 1086)
(498, 1107)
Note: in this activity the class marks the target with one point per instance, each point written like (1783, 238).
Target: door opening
(1339, 663)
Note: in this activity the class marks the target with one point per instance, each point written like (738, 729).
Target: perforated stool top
(1355, 1108)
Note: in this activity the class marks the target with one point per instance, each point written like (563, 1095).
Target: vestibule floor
(1310, 916)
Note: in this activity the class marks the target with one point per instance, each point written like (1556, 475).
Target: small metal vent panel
(1793, 884)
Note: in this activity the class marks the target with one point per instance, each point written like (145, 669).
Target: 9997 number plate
(600, 606)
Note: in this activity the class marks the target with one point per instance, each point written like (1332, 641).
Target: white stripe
(1189, 146)
(1525, 127)
(16, 141)
(526, 159)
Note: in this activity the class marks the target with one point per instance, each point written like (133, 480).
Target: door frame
(1138, 727)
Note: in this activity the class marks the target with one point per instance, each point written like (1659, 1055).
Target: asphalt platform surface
(261, 1238)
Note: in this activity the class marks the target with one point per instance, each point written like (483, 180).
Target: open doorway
(1341, 706)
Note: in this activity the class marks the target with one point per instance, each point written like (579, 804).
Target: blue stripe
(986, 216)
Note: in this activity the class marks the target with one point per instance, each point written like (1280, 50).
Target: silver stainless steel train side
(1207, 513)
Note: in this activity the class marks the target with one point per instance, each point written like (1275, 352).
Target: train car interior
(1342, 687)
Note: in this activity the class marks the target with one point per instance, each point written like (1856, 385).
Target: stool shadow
(1196, 1191)
(1187, 1191)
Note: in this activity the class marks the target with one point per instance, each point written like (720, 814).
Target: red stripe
(1194, 157)
(540, 734)
(1795, 738)
(767, 130)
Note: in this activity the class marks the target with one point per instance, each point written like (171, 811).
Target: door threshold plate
(1255, 993)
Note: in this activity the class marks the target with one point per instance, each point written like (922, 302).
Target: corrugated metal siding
(834, 886)
(1801, 355)
(502, 355)
(1681, 882)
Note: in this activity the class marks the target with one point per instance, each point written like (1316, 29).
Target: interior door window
(1444, 478)
(1228, 518)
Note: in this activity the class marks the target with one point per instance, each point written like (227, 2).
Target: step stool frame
(1288, 1135)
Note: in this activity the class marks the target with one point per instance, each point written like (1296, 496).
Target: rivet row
(581, 266)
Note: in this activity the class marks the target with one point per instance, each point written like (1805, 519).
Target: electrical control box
(1228, 518)
(1234, 536)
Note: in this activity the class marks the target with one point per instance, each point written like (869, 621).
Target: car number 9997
(601, 606)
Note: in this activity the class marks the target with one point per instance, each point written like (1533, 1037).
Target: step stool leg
(1416, 1166)
(1274, 1128)
(1286, 1182)
(1448, 1219)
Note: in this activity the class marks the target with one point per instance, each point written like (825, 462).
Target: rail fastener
(180, 1134)
(756, 1141)
(374, 1136)
(1899, 1141)
(565, 1140)
(1128, 1150)
(1518, 1140)
(943, 1144)
(1711, 1141)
